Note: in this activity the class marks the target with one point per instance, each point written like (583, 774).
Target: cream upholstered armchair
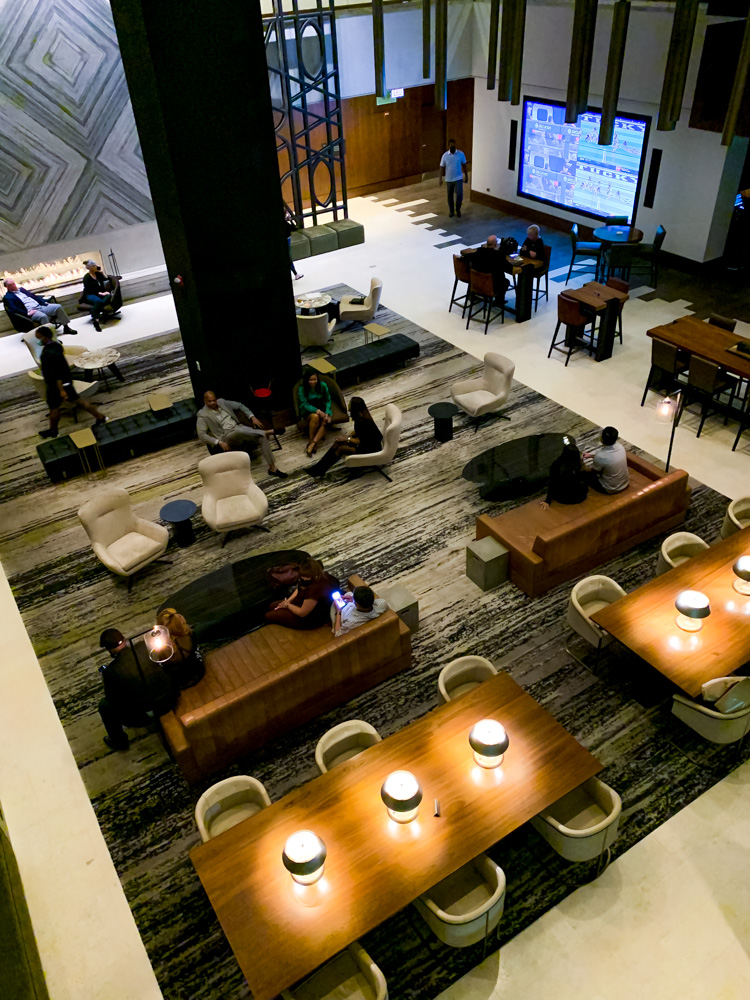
(583, 824)
(737, 517)
(124, 542)
(587, 597)
(343, 742)
(463, 675)
(231, 499)
(677, 549)
(725, 721)
(467, 905)
(350, 313)
(228, 803)
(480, 396)
(35, 348)
(351, 975)
(315, 331)
(376, 459)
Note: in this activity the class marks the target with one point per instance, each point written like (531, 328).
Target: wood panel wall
(390, 145)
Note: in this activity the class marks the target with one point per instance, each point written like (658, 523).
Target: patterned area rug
(413, 531)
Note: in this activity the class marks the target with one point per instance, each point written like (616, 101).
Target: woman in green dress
(315, 408)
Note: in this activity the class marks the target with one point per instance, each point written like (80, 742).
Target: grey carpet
(413, 530)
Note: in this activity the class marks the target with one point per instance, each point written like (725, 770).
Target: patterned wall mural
(70, 160)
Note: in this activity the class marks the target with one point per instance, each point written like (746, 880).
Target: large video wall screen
(562, 164)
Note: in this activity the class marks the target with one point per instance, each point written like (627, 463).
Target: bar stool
(706, 383)
(570, 313)
(482, 289)
(543, 273)
(462, 272)
(263, 409)
(666, 367)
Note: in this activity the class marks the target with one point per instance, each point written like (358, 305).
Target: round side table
(178, 514)
(443, 414)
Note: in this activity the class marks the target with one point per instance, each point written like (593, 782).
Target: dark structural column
(200, 93)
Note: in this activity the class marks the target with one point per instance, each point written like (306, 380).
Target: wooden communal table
(523, 269)
(604, 300)
(644, 621)
(705, 341)
(280, 932)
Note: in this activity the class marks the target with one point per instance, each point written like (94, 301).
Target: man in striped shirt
(359, 607)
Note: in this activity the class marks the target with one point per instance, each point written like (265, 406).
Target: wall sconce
(401, 794)
(693, 607)
(742, 572)
(489, 741)
(304, 857)
(159, 644)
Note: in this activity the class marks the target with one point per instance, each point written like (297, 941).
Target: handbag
(283, 576)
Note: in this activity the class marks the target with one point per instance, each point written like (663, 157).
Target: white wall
(697, 181)
(403, 49)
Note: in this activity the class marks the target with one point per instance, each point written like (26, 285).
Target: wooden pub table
(280, 932)
(644, 621)
(523, 270)
(705, 340)
(604, 300)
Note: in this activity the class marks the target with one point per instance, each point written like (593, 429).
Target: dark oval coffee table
(515, 468)
(178, 514)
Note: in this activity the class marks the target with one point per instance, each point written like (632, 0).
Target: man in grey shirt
(358, 607)
(609, 465)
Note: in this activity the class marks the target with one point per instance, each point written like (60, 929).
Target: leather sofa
(274, 679)
(548, 547)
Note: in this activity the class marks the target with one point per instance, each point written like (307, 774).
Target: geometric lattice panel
(70, 160)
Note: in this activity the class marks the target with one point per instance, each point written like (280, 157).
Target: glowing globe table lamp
(489, 741)
(401, 794)
(304, 857)
(742, 572)
(693, 607)
(159, 644)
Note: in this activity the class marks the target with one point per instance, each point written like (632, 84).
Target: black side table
(443, 414)
(178, 514)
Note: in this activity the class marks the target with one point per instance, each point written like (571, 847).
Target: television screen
(563, 164)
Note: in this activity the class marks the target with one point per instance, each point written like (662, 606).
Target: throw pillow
(358, 301)
(713, 690)
(736, 698)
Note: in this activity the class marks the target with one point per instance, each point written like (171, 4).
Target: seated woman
(533, 245)
(309, 604)
(100, 291)
(365, 440)
(315, 407)
(567, 478)
(186, 665)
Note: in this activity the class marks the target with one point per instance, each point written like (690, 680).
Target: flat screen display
(562, 164)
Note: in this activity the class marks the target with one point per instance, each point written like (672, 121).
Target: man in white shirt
(23, 303)
(360, 606)
(453, 170)
(609, 465)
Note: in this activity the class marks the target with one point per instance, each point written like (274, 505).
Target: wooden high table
(523, 269)
(605, 300)
(705, 341)
(280, 932)
(644, 621)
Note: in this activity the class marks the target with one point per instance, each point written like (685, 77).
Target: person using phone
(355, 608)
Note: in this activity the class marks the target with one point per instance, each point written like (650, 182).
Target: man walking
(22, 303)
(219, 427)
(59, 381)
(453, 169)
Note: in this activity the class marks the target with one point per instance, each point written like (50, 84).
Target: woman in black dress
(567, 482)
(100, 291)
(365, 439)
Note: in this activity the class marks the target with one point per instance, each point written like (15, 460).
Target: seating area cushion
(548, 547)
(300, 246)
(234, 511)
(373, 359)
(712, 690)
(348, 232)
(322, 239)
(225, 818)
(274, 679)
(132, 549)
(471, 401)
(736, 698)
(578, 811)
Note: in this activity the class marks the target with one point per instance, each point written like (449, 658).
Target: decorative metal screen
(304, 82)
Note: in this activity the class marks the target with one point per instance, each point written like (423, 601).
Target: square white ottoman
(403, 602)
(486, 563)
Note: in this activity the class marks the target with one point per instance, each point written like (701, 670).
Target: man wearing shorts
(59, 381)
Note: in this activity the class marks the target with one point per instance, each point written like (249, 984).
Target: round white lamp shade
(401, 794)
(159, 644)
(304, 857)
(693, 607)
(489, 741)
(742, 572)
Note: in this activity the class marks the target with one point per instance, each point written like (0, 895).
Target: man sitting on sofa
(33, 307)
(218, 427)
(359, 607)
(608, 467)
